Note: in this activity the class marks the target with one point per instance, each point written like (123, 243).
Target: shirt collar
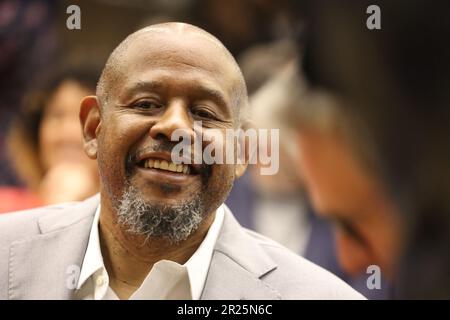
(93, 259)
(197, 265)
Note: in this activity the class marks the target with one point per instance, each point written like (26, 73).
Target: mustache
(162, 146)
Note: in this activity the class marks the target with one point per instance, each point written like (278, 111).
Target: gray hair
(175, 223)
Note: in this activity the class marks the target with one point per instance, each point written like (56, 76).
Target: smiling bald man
(158, 229)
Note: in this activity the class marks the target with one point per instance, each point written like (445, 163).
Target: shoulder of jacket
(22, 224)
(298, 278)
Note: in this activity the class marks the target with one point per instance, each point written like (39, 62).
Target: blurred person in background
(254, 196)
(277, 205)
(27, 44)
(392, 88)
(45, 141)
(342, 180)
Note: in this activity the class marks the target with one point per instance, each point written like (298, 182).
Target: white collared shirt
(166, 280)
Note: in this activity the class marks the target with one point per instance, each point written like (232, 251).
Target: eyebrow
(142, 86)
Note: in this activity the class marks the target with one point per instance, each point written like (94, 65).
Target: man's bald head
(159, 82)
(160, 37)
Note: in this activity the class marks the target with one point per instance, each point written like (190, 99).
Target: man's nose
(175, 117)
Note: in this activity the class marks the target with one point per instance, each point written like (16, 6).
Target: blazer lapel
(237, 266)
(54, 256)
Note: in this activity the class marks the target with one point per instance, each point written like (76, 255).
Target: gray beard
(175, 223)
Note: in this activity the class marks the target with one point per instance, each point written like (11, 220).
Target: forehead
(188, 59)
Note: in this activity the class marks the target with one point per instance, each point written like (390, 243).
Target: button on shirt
(166, 280)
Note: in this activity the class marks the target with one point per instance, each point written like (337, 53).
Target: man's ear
(244, 151)
(90, 124)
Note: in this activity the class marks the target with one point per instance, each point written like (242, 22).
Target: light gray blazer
(38, 246)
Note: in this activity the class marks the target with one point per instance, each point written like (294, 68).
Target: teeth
(165, 165)
(172, 167)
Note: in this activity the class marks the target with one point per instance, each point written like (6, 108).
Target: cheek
(353, 257)
(218, 147)
(114, 144)
(317, 183)
(381, 236)
(313, 170)
(384, 233)
(220, 184)
(109, 168)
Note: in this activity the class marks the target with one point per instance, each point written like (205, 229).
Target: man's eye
(203, 113)
(146, 105)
